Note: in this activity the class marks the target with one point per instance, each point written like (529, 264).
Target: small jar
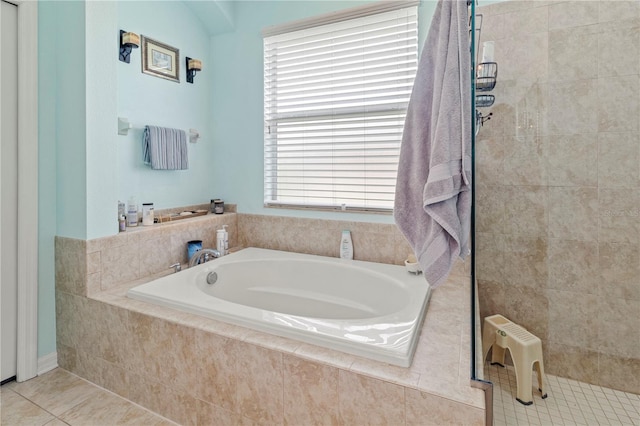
(217, 206)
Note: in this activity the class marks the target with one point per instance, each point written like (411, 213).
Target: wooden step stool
(525, 350)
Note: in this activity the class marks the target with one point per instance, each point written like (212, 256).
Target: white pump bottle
(346, 245)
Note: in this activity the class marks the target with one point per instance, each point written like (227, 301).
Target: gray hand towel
(433, 193)
(164, 148)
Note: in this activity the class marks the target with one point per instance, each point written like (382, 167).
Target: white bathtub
(368, 309)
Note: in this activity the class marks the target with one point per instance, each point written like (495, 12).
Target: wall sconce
(193, 66)
(128, 41)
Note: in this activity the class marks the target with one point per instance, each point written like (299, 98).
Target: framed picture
(160, 59)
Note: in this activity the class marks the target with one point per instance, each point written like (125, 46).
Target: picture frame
(160, 60)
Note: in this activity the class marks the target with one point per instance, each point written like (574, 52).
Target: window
(335, 100)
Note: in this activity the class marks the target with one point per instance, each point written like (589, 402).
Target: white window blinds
(335, 99)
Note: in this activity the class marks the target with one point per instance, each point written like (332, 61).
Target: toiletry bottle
(226, 239)
(122, 224)
(132, 212)
(147, 214)
(346, 246)
(220, 241)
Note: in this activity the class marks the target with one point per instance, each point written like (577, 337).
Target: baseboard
(47, 362)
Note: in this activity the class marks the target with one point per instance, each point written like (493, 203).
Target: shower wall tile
(619, 48)
(364, 400)
(522, 109)
(621, 373)
(573, 53)
(526, 210)
(490, 151)
(490, 257)
(619, 265)
(576, 326)
(310, 392)
(616, 10)
(490, 208)
(572, 14)
(618, 327)
(614, 115)
(619, 160)
(573, 160)
(532, 309)
(619, 215)
(573, 107)
(526, 21)
(573, 213)
(525, 160)
(525, 262)
(573, 266)
(492, 30)
(572, 362)
(492, 300)
(528, 54)
(508, 7)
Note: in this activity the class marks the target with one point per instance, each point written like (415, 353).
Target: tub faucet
(203, 256)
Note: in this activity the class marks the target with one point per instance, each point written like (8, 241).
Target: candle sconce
(128, 41)
(193, 66)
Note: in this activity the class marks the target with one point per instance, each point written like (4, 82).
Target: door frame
(27, 362)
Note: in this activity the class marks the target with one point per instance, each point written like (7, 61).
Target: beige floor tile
(15, 410)
(56, 391)
(56, 422)
(105, 408)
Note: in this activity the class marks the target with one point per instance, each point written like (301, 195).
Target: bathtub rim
(398, 357)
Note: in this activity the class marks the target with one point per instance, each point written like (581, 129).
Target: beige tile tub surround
(194, 370)
(136, 253)
(559, 244)
(373, 242)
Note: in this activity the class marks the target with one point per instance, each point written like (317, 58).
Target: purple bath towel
(433, 191)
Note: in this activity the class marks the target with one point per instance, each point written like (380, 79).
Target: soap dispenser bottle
(346, 245)
(220, 241)
(226, 239)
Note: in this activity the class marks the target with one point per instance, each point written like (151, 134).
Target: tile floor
(569, 402)
(60, 398)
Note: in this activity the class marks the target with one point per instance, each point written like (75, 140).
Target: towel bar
(124, 126)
